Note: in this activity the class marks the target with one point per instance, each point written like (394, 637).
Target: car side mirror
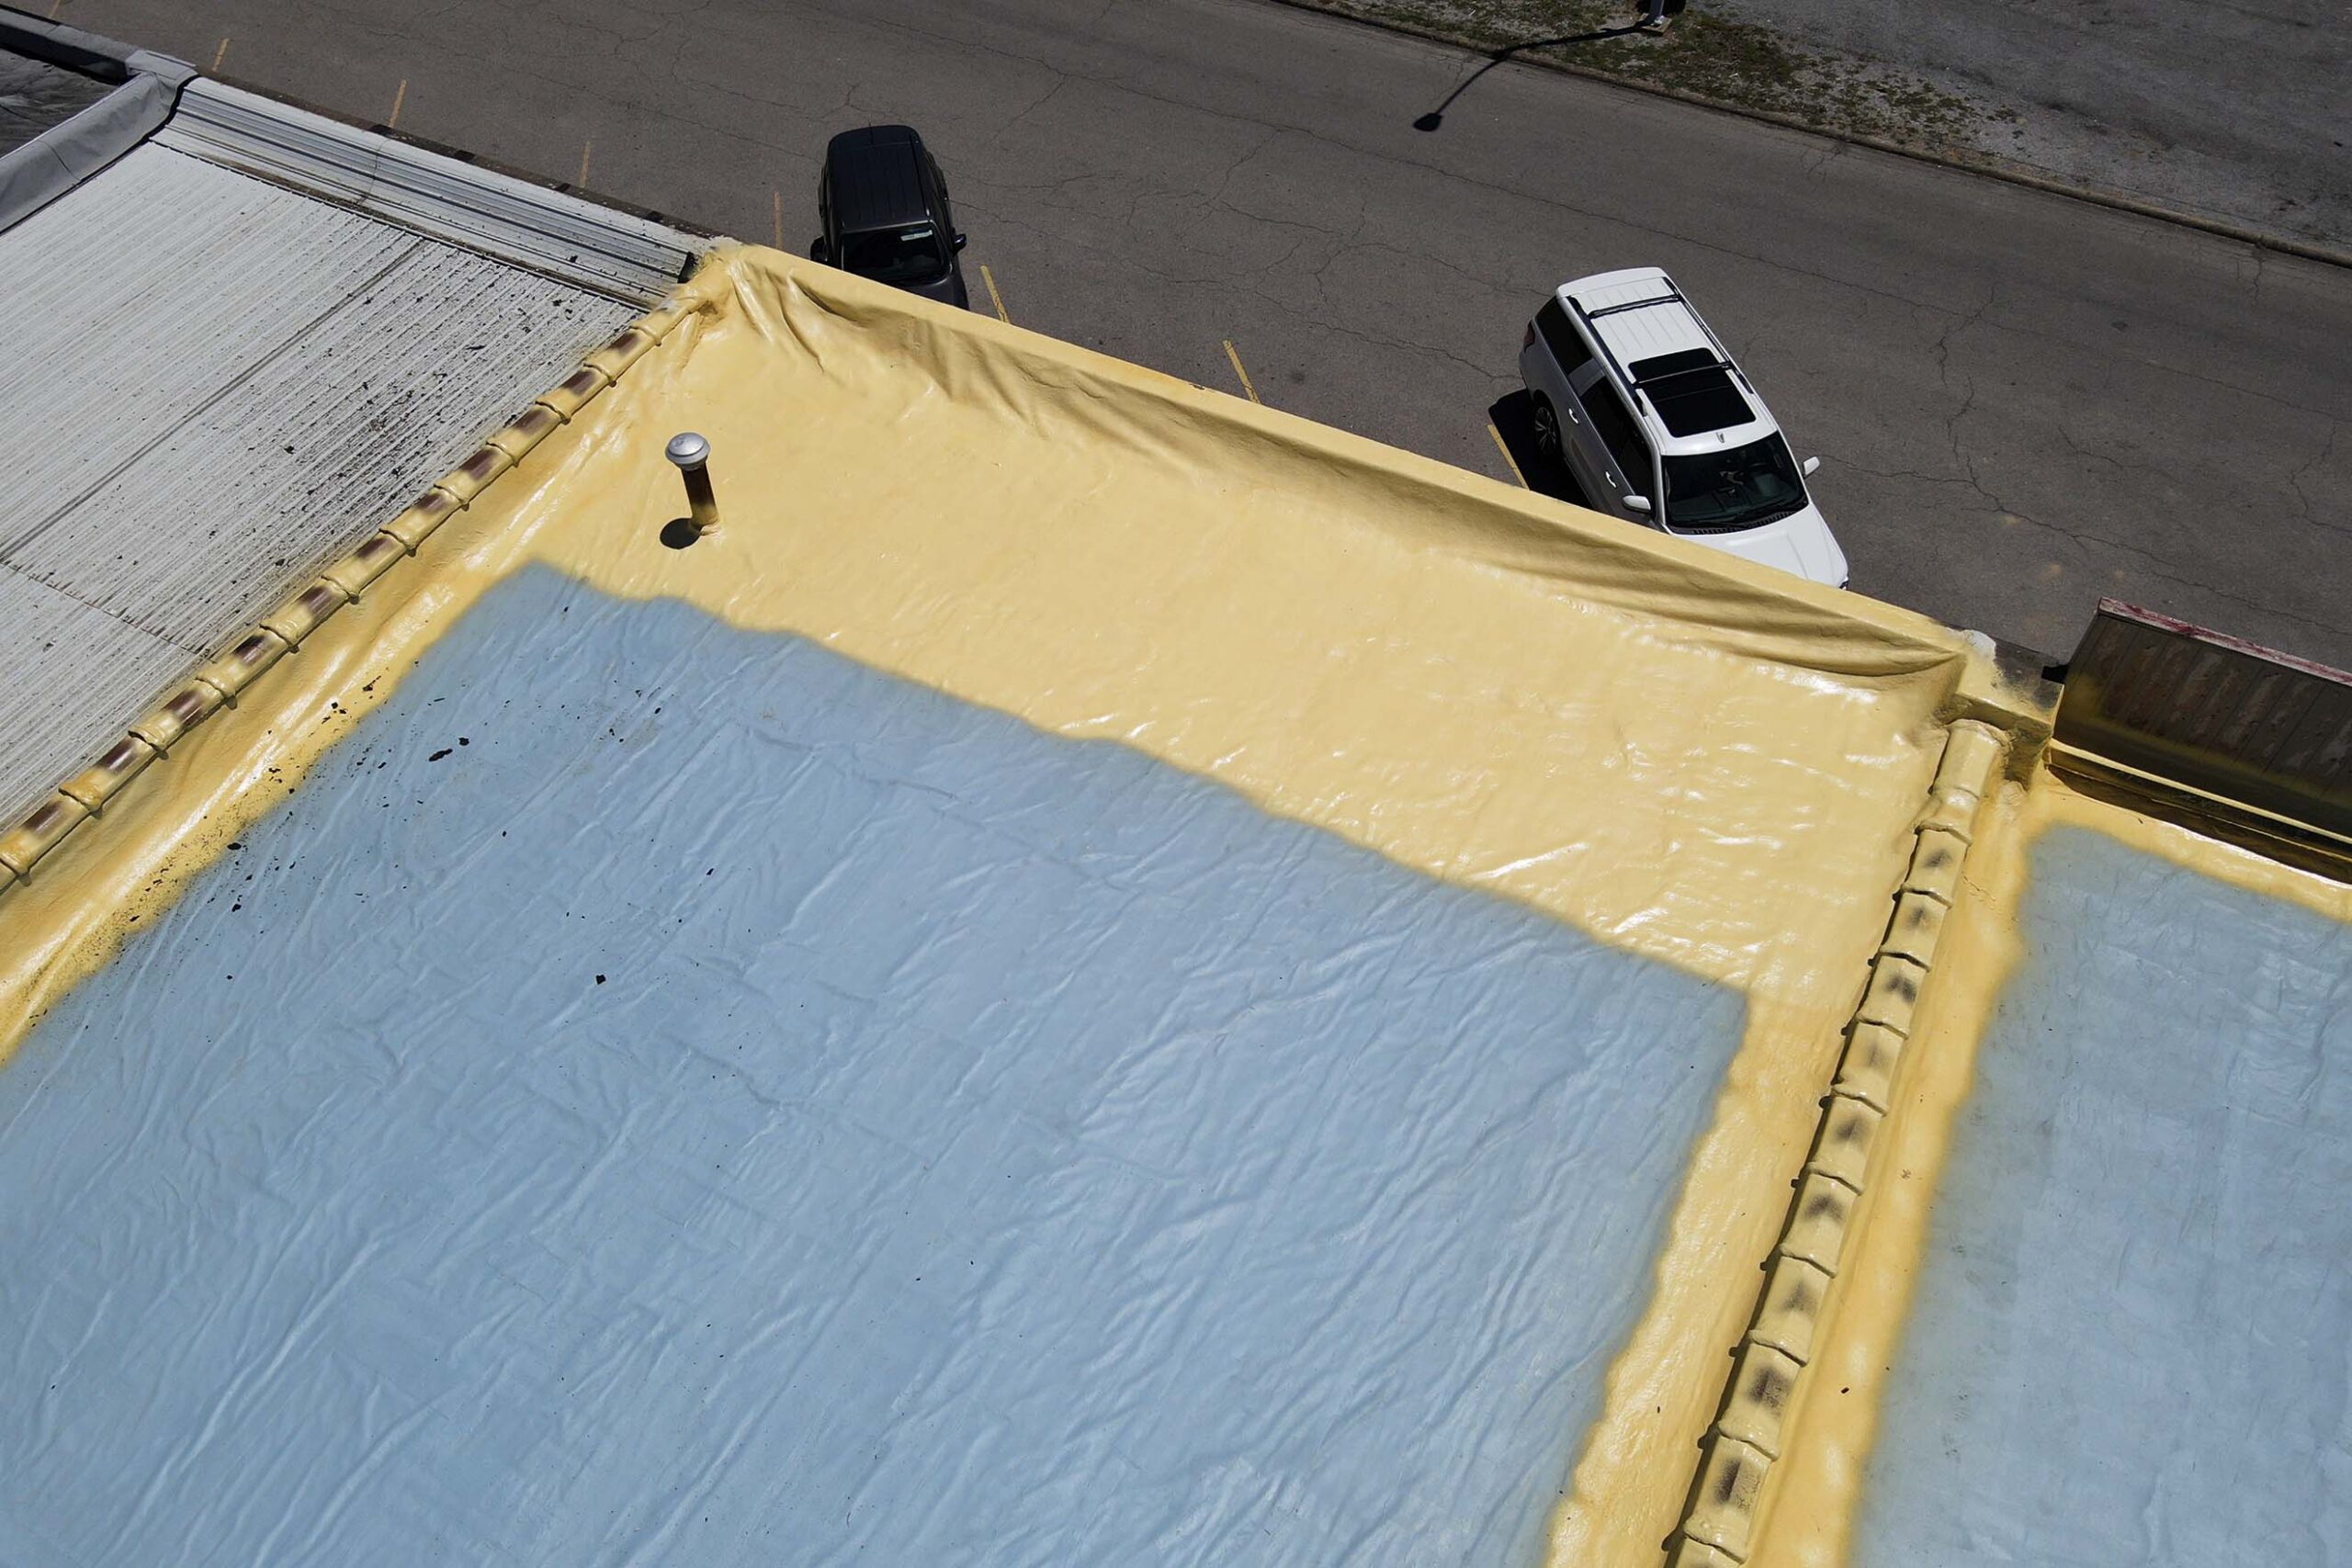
(962, 240)
(1638, 504)
(1812, 467)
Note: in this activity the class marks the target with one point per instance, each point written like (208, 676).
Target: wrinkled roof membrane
(957, 1122)
(2130, 1343)
(1104, 971)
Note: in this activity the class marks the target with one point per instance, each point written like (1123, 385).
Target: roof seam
(1720, 1520)
(91, 604)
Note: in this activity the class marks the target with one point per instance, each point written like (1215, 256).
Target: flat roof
(35, 95)
(960, 1013)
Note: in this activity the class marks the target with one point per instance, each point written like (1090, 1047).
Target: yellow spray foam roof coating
(1686, 757)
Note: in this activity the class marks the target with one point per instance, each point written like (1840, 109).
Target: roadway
(2022, 403)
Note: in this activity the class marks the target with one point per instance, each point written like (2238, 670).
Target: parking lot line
(585, 149)
(994, 297)
(1504, 447)
(779, 220)
(398, 98)
(218, 55)
(1235, 355)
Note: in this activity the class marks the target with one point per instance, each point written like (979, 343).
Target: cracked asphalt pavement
(2021, 402)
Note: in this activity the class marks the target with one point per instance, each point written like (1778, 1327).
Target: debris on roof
(238, 348)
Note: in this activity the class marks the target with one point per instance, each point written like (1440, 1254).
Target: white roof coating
(227, 382)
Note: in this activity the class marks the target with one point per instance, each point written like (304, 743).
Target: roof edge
(147, 89)
(446, 194)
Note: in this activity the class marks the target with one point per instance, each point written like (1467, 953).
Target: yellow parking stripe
(1504, 447)
(1235, 355)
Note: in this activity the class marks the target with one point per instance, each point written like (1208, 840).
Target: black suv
(884, 205)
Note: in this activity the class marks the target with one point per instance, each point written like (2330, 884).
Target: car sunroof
(1668, 363)
(1692, 393)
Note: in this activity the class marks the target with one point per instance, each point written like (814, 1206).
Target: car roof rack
(1673, 296)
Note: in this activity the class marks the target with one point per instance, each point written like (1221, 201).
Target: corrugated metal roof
(220, 381)
(75, 675)
(579, 242)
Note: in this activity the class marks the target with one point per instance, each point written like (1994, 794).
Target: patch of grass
(1707, 52)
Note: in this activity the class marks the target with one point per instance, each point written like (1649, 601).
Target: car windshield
(896, 255)
(1740, 487)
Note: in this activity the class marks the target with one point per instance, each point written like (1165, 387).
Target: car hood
(1800, 543)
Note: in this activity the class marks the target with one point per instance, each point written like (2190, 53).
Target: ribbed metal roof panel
(219, 383)
(316, 443)
(579, 242)
(141, 297)
(75, 675)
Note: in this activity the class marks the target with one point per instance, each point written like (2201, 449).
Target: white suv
(1661, 428)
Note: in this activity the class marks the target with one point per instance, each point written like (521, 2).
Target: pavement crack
(2295, 479)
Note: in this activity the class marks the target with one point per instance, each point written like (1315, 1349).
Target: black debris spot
(438, 755)
(600, 979)
(463, 741)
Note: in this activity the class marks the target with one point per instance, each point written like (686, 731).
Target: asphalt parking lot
(2022, 403)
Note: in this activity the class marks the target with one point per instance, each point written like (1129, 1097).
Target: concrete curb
(1985, 164)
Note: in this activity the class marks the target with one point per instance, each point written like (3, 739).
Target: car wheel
(1547, 429)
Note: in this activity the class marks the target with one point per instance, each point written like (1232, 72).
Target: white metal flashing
(578, 241)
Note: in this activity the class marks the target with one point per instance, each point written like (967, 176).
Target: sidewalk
(2228, 113)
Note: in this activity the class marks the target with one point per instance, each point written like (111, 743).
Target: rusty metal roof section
(2250, 742)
